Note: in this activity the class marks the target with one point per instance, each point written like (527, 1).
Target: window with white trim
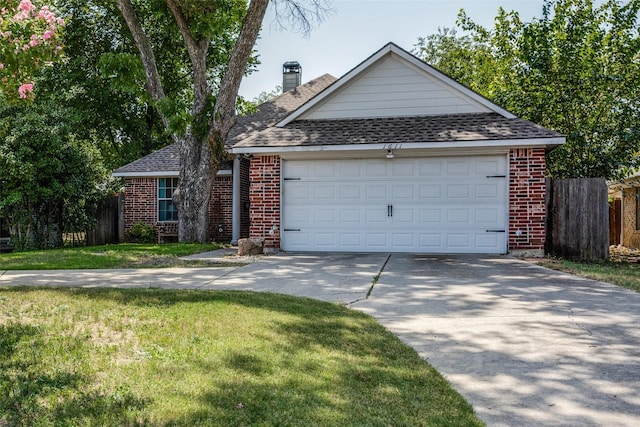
(166, 210)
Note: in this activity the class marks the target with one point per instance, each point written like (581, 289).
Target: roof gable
(394, 83)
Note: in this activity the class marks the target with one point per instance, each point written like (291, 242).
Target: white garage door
(428, 205)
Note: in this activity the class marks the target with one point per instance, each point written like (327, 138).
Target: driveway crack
(377, 277)
(589, 332)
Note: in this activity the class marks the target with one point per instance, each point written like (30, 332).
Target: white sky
(357, 29)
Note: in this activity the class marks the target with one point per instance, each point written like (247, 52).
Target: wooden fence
(109, 227)
(578, 219)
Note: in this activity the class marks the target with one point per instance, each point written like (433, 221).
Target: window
(166, 210)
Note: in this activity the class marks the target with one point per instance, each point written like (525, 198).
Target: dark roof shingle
(444, 128)
(269, 113)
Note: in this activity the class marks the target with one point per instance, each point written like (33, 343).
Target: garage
(454, 204)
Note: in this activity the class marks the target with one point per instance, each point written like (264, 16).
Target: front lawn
(621, 273)
(195, 358)
(109, 256)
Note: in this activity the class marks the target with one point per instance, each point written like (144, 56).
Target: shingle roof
(444, 128)
(167, 159)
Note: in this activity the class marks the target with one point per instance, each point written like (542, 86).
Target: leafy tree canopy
(575, 69)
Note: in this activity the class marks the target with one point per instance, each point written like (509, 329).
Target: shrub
(142, 233)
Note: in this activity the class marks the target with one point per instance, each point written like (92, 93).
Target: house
(624, 212)
(392, 157)
(151, 180)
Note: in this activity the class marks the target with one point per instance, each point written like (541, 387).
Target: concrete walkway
(523, 344)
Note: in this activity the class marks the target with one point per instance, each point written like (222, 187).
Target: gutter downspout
(235, 212)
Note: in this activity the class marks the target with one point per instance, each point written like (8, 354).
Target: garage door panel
(488, 240)
(404, 241)
(377, 240)
(458, 191)
(350, 193)
(430, 168)
(430, 191)
(376, 216)
(490, 167)
(431, 241)
(458, 216)
(325, 215)
(406, 216)
(403, 191)
(376, 192)
(431, 216)
(458, 241)
(376, 169)
(350, 215)
(458, 168)
(351, 240)
(403, 205)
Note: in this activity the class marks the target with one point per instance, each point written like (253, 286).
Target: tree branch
(197, 54)
(154, 84)
(224, 112)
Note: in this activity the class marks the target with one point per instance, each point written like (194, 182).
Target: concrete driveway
(523, 344)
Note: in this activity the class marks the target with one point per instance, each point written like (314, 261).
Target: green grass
(625, 274)
(188, 358)
(108, 256)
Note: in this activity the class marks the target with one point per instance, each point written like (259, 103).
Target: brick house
(392, 157)
(150, 181)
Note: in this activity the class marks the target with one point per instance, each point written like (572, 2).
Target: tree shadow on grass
(364, 375)
(32, 394)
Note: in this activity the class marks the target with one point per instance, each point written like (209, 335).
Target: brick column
(527, 208)
(264, 197)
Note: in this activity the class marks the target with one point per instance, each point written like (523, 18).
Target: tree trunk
(194, 189)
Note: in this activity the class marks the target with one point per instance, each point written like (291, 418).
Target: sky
(358, 28)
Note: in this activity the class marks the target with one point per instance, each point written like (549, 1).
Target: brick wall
(264, 197)
(630, 234)
(221, 209)
(141, 204)
(140, 201)
(527, 190)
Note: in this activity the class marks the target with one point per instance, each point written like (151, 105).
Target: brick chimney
(291, 75)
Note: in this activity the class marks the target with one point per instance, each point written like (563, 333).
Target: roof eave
(160, 174)
(511, 143)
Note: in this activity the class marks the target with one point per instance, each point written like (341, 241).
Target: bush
(142, 233)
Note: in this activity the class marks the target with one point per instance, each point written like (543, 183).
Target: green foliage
(103, 82)
(575, 69)
(141, 232)
(268, 96)
(50, 178)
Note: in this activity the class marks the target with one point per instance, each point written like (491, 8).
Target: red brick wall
(140, 201)
(527, 208)
(264, 197)
(221, 209)
(141, 204)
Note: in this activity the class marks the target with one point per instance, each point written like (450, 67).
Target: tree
(575, 69)
(102, 79)
(50, 178)
(265, 96)
(210, 115)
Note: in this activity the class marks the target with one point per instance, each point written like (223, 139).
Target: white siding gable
(393, 87)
